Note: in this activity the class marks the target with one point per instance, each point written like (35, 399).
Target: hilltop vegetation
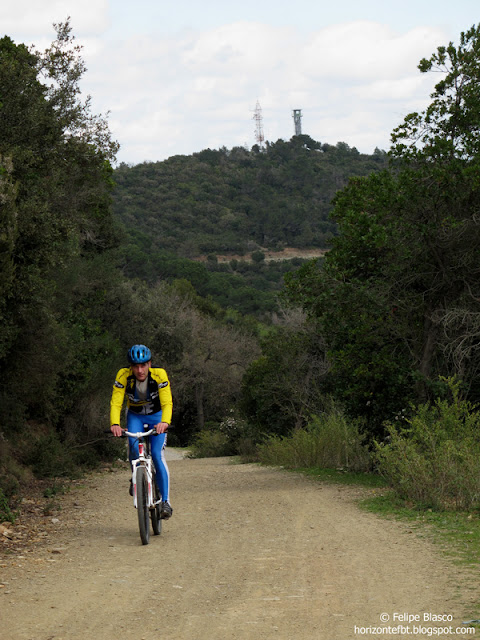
(232, 202)
(219, 201)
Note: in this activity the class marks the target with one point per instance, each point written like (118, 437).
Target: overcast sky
(179, 76)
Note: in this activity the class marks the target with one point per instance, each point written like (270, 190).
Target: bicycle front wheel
(142, 505)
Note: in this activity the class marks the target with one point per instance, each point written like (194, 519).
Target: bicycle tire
(155, 512)
(142, 508)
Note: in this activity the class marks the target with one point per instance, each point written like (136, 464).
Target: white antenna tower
(259, 137)
(297, 118)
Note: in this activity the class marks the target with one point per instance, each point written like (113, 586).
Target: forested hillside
(233, 202)
(219, 201)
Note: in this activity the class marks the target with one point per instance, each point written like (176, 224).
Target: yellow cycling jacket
(159, 395)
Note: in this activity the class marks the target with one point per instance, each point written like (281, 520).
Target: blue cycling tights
(135, 424)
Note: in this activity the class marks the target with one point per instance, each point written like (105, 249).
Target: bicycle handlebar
(140, 434)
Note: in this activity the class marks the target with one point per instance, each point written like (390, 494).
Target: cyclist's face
(140, 371)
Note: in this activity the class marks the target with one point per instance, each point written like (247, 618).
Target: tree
(443, 144)
(281, 389)
(213, 361)
(55, 185)
(449, 129)
(402, 277)
(8, 237)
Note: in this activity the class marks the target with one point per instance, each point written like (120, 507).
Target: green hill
(232, 202)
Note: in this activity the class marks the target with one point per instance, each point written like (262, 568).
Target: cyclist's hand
(161, 427)
(116, 430)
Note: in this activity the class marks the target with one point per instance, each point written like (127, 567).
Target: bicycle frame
(144, 460)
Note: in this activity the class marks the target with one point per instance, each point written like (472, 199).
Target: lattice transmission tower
(257, 116)
(297, 119)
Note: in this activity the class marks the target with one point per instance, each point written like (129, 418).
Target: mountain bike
(146, 496)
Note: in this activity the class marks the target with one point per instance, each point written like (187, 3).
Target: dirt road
(250, 553)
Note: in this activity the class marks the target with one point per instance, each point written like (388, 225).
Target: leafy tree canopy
(55, 186)
(233, 201)
(398, 300)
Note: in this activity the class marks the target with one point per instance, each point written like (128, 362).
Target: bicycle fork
(146, 463)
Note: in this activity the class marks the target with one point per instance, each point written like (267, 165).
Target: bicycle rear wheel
(155, 512)
(142, 505)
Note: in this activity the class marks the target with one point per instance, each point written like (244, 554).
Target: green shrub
(246, 449)
(50, 458)
(210, 444)
(6, 514)
(242, 436)
(435, 459)
(13, 475)
(232, 436)
(329, 441)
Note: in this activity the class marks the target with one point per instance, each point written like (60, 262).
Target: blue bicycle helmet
(139, 354)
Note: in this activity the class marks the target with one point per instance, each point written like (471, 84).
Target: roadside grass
(457, 533)
(343, 476)
(427, 473)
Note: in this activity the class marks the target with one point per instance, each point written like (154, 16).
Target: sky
(179, 76)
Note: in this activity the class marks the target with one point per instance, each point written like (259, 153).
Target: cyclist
(149, 402)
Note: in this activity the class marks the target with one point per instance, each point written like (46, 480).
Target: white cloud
(35, 17)
(245, 46)
(390, 90)
(364, 50)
